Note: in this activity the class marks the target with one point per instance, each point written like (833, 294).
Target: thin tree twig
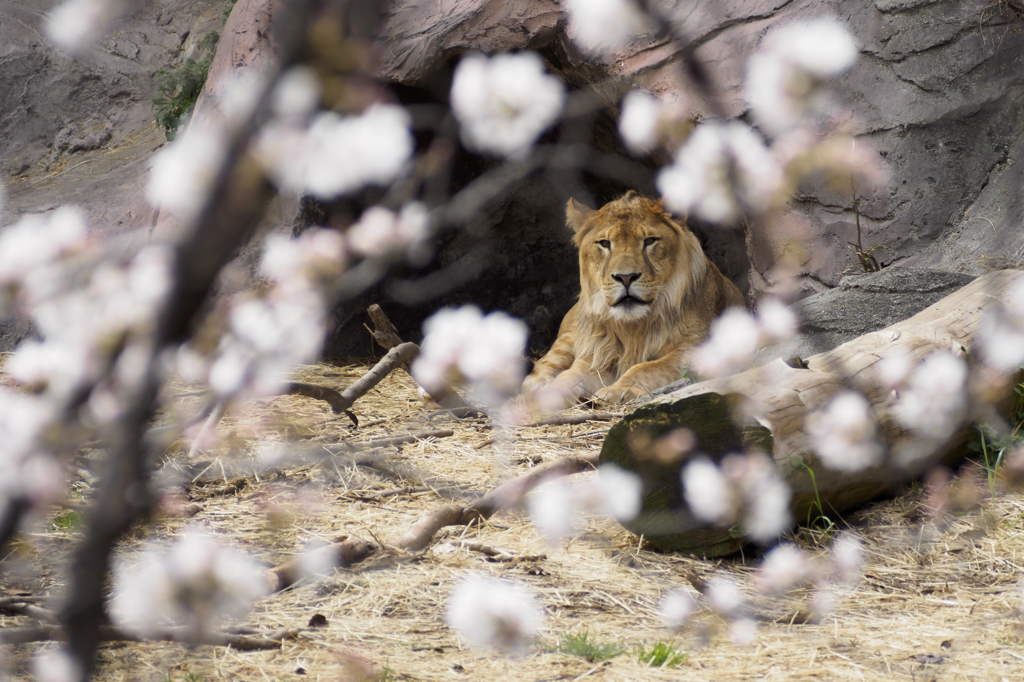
(106, 633)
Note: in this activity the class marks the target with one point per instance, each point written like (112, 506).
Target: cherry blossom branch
(231, 211)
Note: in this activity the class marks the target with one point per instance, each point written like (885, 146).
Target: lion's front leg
(639, 380)
(557, 360)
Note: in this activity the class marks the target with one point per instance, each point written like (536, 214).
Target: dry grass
(930, 606)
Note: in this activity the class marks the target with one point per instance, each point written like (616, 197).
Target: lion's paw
(616, 394)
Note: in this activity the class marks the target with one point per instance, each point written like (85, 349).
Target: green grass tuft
(661, 655)
(582, 644)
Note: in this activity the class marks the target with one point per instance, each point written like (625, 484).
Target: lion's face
(634, 258)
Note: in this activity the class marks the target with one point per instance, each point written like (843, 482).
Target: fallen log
(764, 409)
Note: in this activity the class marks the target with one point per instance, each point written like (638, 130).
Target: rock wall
(937, 92)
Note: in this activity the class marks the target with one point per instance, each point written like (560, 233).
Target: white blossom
(786, 80)
(463, 345)
(676, 608)
(622, 491)
(602, 26)
(733, 339)
(776, 320)
(494, 613)
(554, 508)
(785, 567)
(747, 483)
(707, 491)
(724, 596)
(196, 582)
(297, 93)
(55, 666)
(29, 247)
(504, 102)
(742, 630)
(380, 232)
(640, 120)
(295, 262)
(76, 24)
(844, 434)
(337, 154)
(1002, 334)
(934, 401)
(268, 337)
(768, 496)
(348, 153)
(182, 173)
(721, 172)
(848, 557)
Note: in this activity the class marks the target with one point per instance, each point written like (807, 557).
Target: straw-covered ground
(930, 605)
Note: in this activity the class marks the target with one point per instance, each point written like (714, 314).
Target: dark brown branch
(106, 633)
(396, 440)
(349, 551)
(343, 552)
(386, 335)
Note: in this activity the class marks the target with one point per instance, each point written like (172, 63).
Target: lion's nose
(627, 278)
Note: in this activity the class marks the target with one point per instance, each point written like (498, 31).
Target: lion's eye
(605, 244)
(650, 240)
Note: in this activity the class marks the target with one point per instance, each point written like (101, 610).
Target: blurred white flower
(296, 262)
(848, 557)
(732, 340)
(742, 631)
(346, 154)
(504, 102)
(844, 434)
(76, 24)
(380, 232)
(602, 26)
(676, 608)
(554, 508)
(337, 154)
(747, 483)
(182, 173)
(776, 320)
(724, 596)
(639, 120)
(269, 336)
(787, 79)
(1002, 334)
(297, 93)
(463, 345)
(765, 493)
(934, 400)
(196, 583)
(55, 666)
(622, 491)
(708, 492)
(768, 496)
(823, 601)
(59, 366)
(34, 243)
(494, 613)
(784, 568)
(720, 173)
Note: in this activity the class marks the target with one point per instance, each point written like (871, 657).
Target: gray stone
(865, 303)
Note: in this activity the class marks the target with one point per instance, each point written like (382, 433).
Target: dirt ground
(931, 605)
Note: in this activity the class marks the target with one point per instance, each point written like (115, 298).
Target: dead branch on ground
(347, 551)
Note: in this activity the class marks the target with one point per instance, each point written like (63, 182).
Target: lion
(647, 296)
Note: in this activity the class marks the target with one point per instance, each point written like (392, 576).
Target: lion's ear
(576, 214)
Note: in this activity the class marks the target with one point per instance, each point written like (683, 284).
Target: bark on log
(781, 397)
